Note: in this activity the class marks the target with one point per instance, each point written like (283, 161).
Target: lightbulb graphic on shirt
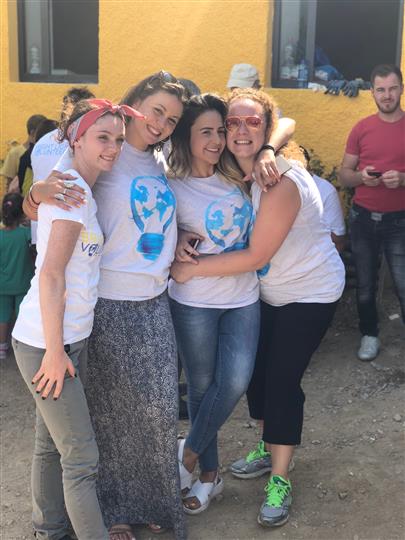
(153, 208)
(227, 221)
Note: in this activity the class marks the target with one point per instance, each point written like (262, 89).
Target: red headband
(82, 124)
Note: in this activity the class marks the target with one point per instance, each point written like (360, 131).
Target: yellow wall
(195, 39)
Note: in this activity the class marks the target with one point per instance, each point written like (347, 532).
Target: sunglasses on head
(165, 76)
(234, 122)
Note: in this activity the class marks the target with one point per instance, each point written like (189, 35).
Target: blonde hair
(291, 150)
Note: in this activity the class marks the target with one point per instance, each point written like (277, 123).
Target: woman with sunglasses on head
(299, 291)
(209, 313)
(132, 369)
(50, 335)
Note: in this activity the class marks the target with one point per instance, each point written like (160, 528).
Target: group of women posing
(213, 312)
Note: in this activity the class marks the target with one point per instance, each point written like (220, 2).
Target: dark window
(334, 39)
(58, 40)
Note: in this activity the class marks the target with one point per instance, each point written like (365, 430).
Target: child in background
(16, 268)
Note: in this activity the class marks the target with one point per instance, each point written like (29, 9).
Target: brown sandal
(121, 532)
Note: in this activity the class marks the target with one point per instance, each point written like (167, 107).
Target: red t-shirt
(381, 144)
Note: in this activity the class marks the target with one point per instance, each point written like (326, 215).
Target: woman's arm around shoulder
(277, 212)
(58, 189)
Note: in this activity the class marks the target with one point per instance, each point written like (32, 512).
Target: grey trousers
(65, 461)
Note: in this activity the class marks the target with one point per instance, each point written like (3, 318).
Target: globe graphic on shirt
(153, 208)
(227, 221)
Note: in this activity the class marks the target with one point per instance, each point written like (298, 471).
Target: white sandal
(204, 492)
(186, 477)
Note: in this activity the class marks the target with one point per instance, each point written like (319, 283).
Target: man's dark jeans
(370, 234)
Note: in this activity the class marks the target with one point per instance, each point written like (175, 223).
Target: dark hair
(77, 93)
(73, 96)
(11, 209)
(191, 88)
(81, 107)
(33, 122)
(383, 70)
(162, 80)
(45, 127)
(180, 158)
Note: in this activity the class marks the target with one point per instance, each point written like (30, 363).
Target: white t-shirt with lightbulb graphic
(81, 274)
(222, 214)
(137, 214)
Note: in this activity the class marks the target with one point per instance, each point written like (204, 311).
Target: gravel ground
(348, 483)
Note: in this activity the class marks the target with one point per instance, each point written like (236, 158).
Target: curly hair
(293, 151)
(268, 104)
(82, 107)
(290, 150)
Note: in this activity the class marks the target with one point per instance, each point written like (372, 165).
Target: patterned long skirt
(133, 401)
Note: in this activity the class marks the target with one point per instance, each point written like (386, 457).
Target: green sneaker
(255, 464)
(276, 507)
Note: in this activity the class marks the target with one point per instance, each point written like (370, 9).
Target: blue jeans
(369, 236)
(217, 348)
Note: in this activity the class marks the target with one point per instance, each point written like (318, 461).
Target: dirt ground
(348, 483)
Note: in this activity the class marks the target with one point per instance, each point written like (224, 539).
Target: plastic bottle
(303, 73)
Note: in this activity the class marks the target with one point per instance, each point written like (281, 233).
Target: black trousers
(369, 236)
(289, 335)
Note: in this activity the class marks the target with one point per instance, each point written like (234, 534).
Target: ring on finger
(68, 184)
(60, 197)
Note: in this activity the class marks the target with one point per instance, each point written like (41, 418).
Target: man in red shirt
(374, 164)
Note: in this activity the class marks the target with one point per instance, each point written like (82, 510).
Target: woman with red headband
(132, 368)
(50, 335)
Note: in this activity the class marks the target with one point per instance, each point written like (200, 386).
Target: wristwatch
(268, 147)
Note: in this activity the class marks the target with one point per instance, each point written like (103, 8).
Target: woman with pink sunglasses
(301, 280)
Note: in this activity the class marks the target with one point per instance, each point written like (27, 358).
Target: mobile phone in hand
(282, 165)
(194, 243)
(376, 174)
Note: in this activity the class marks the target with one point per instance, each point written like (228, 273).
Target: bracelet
(268, 147)
(31, 198)
(34, 207)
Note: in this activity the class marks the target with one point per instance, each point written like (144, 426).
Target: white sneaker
(369, 348)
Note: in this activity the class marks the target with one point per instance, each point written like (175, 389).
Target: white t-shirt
(82, 275)
(222, 214)
(44, 157)
(137, 214)
(332, 209)
(307, 267)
